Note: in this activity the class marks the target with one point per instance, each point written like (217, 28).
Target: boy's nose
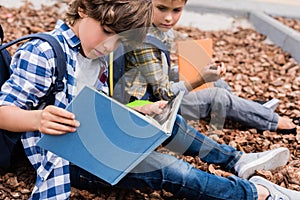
(168, 17)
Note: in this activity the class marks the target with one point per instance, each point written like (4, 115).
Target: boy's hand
(157, 107)
(55, 121)
(206, 74)
(212, 72)
(153, 108)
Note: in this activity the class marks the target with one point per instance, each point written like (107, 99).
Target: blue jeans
(161, 171)
(220, 103)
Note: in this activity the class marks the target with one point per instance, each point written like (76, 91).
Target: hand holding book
(162, 117)
(106, 124)
(148, 108)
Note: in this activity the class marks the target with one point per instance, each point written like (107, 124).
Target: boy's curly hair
(119, 15)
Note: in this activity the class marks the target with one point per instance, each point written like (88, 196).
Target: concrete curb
(280, 34)
(274, 7)
(218, 10)
(283, 36)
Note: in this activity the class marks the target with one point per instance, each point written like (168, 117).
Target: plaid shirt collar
(71, 39)
(166, 37)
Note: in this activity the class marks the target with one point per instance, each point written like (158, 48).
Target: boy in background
(147, 70)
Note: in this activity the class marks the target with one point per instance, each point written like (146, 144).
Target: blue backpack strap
(60, 58)
(60, 62)
(9, 140)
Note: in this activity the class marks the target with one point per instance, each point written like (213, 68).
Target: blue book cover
(112, 138)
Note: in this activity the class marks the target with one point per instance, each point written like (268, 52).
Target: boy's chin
(164, 29)
(93, 55)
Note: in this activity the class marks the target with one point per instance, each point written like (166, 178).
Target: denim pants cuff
(230, 166)
(254, 190)
(274, 123)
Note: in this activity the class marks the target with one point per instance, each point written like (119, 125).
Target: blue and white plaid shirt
(33, 72)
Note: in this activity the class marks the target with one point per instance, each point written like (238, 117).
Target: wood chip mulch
(256, 70)
(290, 22)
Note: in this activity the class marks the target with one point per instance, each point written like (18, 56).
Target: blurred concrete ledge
(285, 8)
(260, 14)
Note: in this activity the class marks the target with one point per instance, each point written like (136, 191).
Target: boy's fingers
(162, 104)
(56, 120)
(54, 128)
(54, 110)
(62, 120)
(157, 107)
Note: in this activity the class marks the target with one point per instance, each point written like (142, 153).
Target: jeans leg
(221, 104)
(188, 141)
(161, 171)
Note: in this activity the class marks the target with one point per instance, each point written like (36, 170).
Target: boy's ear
(81, 12)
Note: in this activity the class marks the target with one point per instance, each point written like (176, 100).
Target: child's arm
(206, 74)
(51, 120)
(151, 67)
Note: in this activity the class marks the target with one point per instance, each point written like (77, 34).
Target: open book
(112, 138)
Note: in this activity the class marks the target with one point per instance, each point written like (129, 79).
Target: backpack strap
(116, 68)
(60, 63)
(10, 141)
(160, 45)
(1, 34)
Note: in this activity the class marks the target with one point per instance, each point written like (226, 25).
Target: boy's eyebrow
(164, 6)
(161, 5)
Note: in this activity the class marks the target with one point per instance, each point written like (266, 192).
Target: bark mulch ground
(256, 70)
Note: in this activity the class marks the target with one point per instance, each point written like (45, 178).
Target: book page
(164, 116)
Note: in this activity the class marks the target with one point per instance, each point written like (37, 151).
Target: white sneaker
(272, 104)
(267, 160)
(276, 192)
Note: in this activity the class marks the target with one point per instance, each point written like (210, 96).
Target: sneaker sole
(272, 160)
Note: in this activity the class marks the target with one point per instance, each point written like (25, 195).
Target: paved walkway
(288, 8)
(284, 2)
(230, 14)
